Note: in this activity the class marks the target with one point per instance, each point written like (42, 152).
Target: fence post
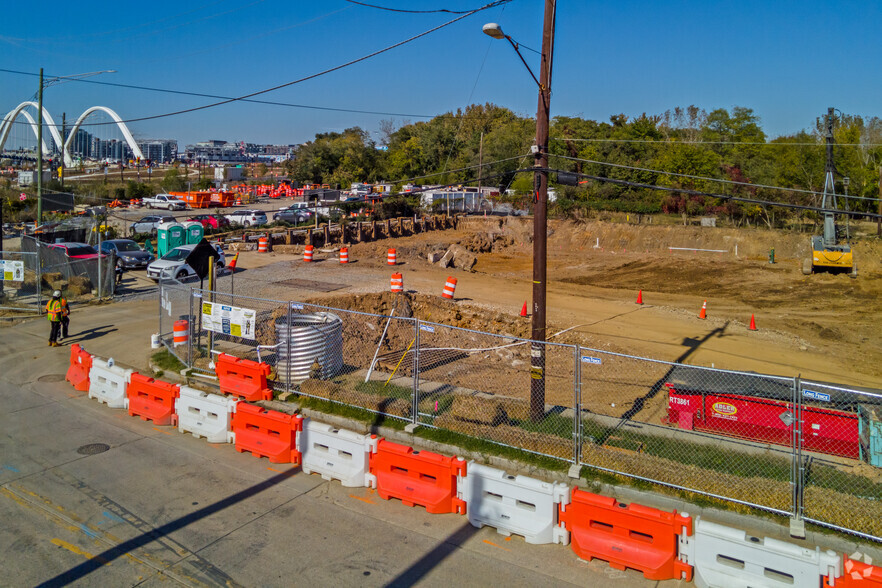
(576, 468)
(287, 349)
(190, 324)
(797, 475)
(39, 281)
(415, 408)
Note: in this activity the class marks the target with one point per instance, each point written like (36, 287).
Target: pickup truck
(166, 201)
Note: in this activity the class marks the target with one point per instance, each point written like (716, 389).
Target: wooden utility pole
(481, 162)
(540, 221)
(879, 220)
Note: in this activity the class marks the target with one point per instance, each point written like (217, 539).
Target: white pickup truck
(166, 201)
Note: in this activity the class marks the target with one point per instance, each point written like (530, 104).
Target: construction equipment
(828, 254)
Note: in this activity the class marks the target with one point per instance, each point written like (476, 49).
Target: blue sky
(787, 60)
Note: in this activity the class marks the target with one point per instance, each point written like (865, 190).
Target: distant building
(218, 152)
(159, 150)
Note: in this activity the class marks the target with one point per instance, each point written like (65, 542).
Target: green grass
(389, 391)
(829, 477)
(165, 360)
(349, 412)
(552, 424)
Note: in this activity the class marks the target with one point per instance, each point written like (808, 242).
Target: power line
(718, 180)
(674, 142)
(305, 78)
(437, 10)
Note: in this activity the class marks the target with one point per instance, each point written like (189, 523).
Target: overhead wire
(718, 180)
(308, 77)
(430, 11)
(703, 142)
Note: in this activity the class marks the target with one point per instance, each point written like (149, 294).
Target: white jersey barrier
(514, 504)
(205, 415)
(724, 557)
(337, 454)
(108, 383)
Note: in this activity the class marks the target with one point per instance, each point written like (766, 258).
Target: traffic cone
(524, 309)
(752, 323)
(703, 313)
(232, 264)
(640, 297)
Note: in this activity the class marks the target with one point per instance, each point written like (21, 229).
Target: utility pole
(63, 139)
(481, 162)
(540, 221)
(879, 220)
(40, 152)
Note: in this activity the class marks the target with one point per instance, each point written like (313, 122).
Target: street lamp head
(493, 30)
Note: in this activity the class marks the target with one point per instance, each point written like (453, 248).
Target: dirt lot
(821, 326)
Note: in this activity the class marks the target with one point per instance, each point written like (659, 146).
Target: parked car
(173, 264)
(166, 201)
(295, 217)
(211, 221)
(128, 254)
(76, 250)
(149, 224)
(247, 218)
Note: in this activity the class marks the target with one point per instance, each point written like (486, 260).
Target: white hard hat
(56, 294)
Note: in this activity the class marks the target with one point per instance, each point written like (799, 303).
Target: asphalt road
(93, 497)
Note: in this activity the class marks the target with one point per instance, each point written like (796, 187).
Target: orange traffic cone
(703, 313)
(232, 264)
(640, 297)
(752, 323)
(524, 309)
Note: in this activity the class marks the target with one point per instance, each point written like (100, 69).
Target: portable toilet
(169, 236)
(194, 231)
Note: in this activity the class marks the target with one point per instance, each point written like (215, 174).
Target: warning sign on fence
(228, 320)
(12, 271)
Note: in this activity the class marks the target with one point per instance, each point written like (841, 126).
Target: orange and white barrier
(344, 255)
(391, 257)
(307, 253)
(449, 288)
(397, 283)
(263, 245)
(181, 332)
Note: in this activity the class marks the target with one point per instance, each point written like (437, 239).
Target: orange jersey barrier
(152, 400)
(267, 433)
(243, 377)
(80, 364)
(627, 536)
(418, 477)
(858, 574)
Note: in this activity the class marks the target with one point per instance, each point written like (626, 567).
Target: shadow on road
(105, 557)
(432, 559)
(88, 334)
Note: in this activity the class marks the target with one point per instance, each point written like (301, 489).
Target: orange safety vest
(54, 310)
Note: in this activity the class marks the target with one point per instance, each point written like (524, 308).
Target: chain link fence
(807, 450)
(20, 281)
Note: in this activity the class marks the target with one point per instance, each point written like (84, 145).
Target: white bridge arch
(20, 110)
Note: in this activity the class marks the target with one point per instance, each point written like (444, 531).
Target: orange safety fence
(418, 477)
(152, 400)
(627, 536)
(267, 433)
(243, 377)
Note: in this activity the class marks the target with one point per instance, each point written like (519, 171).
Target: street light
(540, 221)
(45, 84)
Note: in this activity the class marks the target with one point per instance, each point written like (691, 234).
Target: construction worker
(65, 318)
(55, 312)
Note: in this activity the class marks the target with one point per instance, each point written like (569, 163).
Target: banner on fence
(12, 270)
(228, 320)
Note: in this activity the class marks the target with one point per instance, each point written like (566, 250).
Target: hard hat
(56, 294)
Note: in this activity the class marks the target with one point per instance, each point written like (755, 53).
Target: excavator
(828, 253)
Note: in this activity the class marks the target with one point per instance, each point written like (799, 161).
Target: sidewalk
(148, 504)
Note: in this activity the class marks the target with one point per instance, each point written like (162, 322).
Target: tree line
(724, 144)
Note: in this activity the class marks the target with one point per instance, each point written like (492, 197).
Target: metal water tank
(315, 337)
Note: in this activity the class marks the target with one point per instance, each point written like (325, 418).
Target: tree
(172, 181)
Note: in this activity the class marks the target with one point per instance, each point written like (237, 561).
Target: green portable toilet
(194, 232)
(169, 236)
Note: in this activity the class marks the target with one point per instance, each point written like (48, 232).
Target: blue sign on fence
(816, 395)
(588, 359)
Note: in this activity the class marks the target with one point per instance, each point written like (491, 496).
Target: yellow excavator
(828, 254)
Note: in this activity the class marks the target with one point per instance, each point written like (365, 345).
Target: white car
(173, 264)
(247, 218)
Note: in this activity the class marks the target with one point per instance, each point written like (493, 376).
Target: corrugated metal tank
(316, 337)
